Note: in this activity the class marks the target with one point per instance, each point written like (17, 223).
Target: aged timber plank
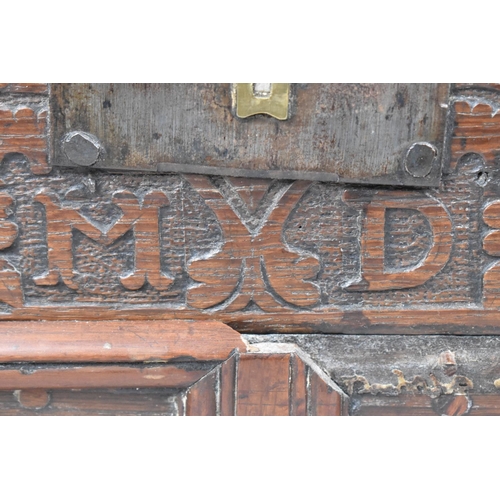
(324, 399)
(116, 341)
(24, 88)
(272, 380)
(227, 382)
(202, 398)
(406, 374)
(23, 123)
(352, 132)
(128, 401)
(68, 376)
(259, 255)
(263, 385)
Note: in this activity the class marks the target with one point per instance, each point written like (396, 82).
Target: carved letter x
(252, 267)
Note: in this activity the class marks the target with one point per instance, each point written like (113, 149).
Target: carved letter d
(373, 276)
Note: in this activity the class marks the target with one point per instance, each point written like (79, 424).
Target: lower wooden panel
(472, 404)
(143, 401)
(267, 383)
(203, 397)
(107, 376)
(263, 385)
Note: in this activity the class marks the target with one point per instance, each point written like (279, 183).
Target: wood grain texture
(237, 266)
(23, 123)
(33, 398)
(324, 399)
(139, 218)
(412, 405)
(274, 380)
(202, 398)
(71, 376)
(115, 341)
(260, 255)
(298, 387)
(227, 383)
(24, 88)
(193, 128)
(405, 374)
(263, 381)
(91, 402)
(374, 273)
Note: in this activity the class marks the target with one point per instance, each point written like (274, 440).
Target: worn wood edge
(100, 377)
(421, 405)
(286, 348)
(116, 341)
(459, 321)
(24, 88)
(220, 392)
(439, 320)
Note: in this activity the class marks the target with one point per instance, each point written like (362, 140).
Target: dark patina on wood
(156, 368)
(366, 133)
(407, 374)
(261, 255)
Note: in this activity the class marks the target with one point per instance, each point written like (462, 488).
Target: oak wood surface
(273, 380)
(474, 404)
(116, 341)
(258, 255)
(193, 128)
(261, 256)
(202, 398)
(117, 376)
(90, 402)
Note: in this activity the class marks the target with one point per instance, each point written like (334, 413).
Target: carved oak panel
(260, 255)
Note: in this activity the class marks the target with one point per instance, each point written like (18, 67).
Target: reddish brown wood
(142, 218)
(374, 276)
(263, 385)
(288, 272)
(113, 402)
(271, 382)
(90, 402)
(228, 374)
(477, 130)
(106, 376)
(115, 341)
(23, 130)
(311, 273)
(277, 381)
(202, 399)
(33, 398)
(24, 88)
(298, 386)
(324, 400)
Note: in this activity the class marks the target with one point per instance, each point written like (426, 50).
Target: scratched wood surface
(406, 374)
(266, 382)
(422, 406)
(116, 341)
(260, 256)
(272, 380)
(90, 402)
(349, 131)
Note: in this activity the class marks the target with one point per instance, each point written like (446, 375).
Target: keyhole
(262, 90)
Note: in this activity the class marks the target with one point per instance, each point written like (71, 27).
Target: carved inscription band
(250, 265)
(260, 255)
